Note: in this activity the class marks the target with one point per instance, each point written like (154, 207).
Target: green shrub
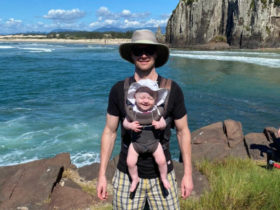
(264, 3)
(189, 2)
(276, 3)
(267, 30)
(253, 5)
(237, 184)
(219, 39)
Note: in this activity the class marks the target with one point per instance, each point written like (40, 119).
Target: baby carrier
(156, 114)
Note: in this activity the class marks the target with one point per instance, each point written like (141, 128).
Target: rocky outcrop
(223, 139)
(160, 37)
(240, 23)
(30, 185)
(55, 183)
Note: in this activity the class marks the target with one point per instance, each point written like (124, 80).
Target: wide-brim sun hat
(145, 37)
(152, 85)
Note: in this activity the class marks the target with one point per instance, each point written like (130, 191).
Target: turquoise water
(53, 96)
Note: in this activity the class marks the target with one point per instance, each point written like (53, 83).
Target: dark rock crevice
(232, 11)
(58, 179)
(222, 23)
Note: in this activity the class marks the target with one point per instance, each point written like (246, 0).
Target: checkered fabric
(148, 189)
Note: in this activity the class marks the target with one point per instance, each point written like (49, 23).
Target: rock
(270, 133)
(70, 198)
(90, 172)
(199, 180)
(213, 133)
(218, 140)
(30, 185)
(239, 151)
(234, 133)
(160, 37)
(257, 145)
(244, 24)
(209, 142)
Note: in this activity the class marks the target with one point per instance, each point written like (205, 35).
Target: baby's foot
(133, 185)
(166, 184)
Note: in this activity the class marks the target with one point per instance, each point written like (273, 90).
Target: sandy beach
(43, 38)
(117, 41)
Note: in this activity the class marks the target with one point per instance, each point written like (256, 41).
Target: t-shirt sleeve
(115, 99)
(179, 109)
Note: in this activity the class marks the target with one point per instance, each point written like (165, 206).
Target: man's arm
(107, 144)
(184, 140)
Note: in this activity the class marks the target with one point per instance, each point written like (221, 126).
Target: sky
(18, 16)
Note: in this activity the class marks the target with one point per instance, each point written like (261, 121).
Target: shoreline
(41, 39)
(212, 46)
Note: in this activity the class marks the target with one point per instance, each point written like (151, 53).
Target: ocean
(53, 97)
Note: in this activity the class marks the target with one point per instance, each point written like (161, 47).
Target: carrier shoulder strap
(166, 84)
(127, 82)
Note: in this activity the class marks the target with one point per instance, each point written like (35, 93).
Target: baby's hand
(135, 126)
(161, 124)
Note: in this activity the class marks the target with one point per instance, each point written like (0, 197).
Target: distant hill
(59, 30)
(115, 29)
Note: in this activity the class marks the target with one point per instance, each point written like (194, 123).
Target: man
(146, 54)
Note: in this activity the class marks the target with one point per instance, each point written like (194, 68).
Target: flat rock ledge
(55, 183)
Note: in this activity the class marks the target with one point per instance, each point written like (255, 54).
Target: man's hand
(186, 186)
(107, 144)
(102, 188)
(184, 140)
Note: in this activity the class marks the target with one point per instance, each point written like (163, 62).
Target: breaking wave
(264, 59)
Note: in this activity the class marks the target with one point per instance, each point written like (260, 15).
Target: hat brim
(161, 50)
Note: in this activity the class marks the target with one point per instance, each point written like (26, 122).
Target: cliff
(240, 23)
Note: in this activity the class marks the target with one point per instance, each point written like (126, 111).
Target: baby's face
(144, 101)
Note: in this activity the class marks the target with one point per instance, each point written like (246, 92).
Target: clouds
(61, 15)
(11, 25)
(126, 19)
(105, 13)
(78, 19)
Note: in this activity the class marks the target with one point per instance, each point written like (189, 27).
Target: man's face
(144, 57)
(144, 101)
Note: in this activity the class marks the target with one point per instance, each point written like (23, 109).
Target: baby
(143, 117)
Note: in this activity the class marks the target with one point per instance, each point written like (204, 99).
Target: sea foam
(232, 56)
(81, 159)
(33, 49)
(6, 47)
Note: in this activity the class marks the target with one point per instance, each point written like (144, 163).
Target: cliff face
(241, 23)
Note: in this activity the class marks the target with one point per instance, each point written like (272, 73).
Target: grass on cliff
(237, 184)
(234, 184)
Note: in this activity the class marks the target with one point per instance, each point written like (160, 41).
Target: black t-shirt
(147, 167)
